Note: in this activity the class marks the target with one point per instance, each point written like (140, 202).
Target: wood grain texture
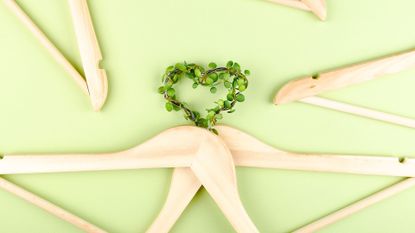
(250, 152)
(314, 85)
(214, 168)
(176, 147)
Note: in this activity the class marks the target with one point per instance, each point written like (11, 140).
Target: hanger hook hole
(402, 159)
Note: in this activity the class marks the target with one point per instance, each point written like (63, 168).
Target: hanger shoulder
(249, 151)
(174, 147)
(90, 52)
(213, 166)
(310, 86)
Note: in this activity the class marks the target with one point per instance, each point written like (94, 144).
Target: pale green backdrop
(42, 110)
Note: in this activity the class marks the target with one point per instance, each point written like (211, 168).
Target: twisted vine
(231, 76)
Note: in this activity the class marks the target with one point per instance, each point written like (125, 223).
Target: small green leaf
(227, 104)
(213, 90)
(215, 131)
(247, 72)
(224, 76)
(213, 76)
(198, 73)
(229, 97)
(210, 114)
(212, 65)
(169, 69)
(242, 87)
(169, 106)
(176, 108)
(181, 67)
(195, 85)
(240, 97)
(209, 81)
(171, 92)
(161, 90)
(227, 84)
(236, 66)
(229, 64)
(231, 111)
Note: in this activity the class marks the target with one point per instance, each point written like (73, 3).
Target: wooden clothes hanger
(49, 207)
(318, 7)
(96, 85)
(305, 89)
(185, 148)
(196, 165)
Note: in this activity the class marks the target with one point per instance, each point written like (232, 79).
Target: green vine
(231, 76)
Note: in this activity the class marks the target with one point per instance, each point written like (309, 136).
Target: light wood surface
(49, 207)
(214, 168)
(292, 3)
(360, 111)
(200, 155)
(358, 206)
(184, 185)
(176, 147)
(251, 152)
(47, 44)
(318, 7)
(310, 86)
(90, 53)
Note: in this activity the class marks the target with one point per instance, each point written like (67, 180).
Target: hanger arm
(310, 86)
(27, 164)
(50, 47)
(90, 52)
(358, 206)
(318, 7)
(174, 147)
(184, 186)
(359, 111)
(250, 152)
(49, 207)
(214, 167)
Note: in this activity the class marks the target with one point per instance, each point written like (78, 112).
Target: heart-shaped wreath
(231, 76)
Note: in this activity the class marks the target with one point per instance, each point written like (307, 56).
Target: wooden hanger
(358, 206)
(318, 7)
(96, 86)
(90, 52)
(49, 207)
(305, 89)
(179, 147)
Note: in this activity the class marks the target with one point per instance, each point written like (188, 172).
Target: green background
(43, 111)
